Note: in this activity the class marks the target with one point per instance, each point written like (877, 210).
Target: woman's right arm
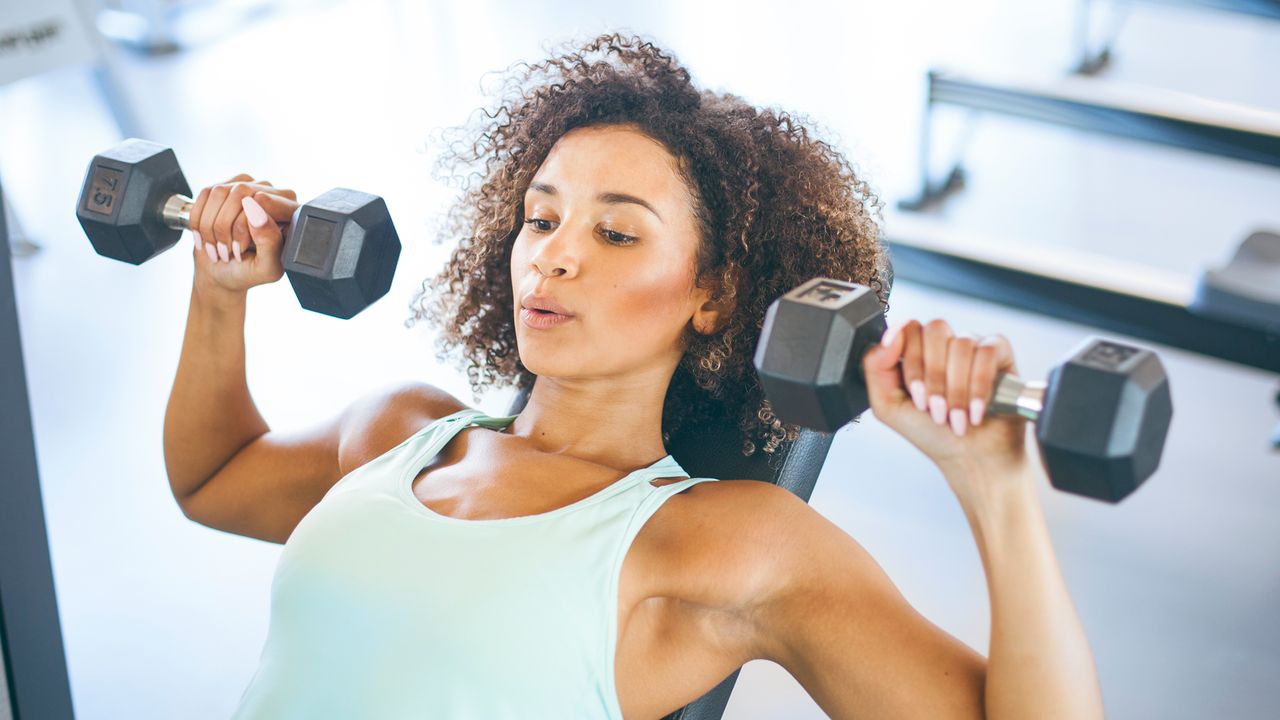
(211, 420)
(210, 416)
(227, 469)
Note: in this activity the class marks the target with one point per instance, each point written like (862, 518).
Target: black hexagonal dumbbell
(340, 255)
(1100, 419)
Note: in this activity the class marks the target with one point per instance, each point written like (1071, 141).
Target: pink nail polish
(917, 394)
(938, 406)
(958, 422)
(889, 336)
(254, 212)
(199, 240)
(213, 255)
(235, 248)
(976, 409)
(222, 253)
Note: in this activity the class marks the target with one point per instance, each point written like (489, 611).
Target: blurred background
(1177, 586)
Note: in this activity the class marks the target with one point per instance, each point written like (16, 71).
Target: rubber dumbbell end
(810, 352)
(121, 202)
(342, 252)
(1106, 415)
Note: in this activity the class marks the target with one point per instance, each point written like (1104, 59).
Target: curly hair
(774, 206)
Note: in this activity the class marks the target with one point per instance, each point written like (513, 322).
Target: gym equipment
(1101, 417)
(1247, 290)
(1077, 287)
(33, 665)
(1095, 60)
(1125, 110)
(340, 254)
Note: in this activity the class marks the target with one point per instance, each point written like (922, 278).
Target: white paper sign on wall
(37, 36)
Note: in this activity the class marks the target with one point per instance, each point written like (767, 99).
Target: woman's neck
(612, 422)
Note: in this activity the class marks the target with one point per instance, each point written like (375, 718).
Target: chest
(675, 639)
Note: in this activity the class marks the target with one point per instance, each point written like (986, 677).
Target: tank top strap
(435, 436)
(443, 429)
(425, 442)
(493, 422)
(655, 495)
(680, 486)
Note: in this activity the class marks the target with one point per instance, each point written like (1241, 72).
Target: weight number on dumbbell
(340, 254)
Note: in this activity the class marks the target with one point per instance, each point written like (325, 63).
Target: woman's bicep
(267, 487)
(838, 624)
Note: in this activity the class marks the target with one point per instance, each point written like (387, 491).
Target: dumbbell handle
(1015, 396)
(1012, 395)
(176, 211)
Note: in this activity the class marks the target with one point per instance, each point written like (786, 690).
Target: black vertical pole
(35, 666)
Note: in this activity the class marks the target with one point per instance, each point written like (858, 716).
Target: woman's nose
(558, 253)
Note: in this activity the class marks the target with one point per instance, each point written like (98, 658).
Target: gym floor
(1177, 586)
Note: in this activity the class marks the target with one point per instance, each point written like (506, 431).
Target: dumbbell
(340, 255)
(1100, 419)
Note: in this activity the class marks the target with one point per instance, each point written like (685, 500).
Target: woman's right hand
(239, 227)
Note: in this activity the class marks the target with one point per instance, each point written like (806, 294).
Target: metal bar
(930, 192)
(20, 245)
(1163, 117)
(1138, 315)
(1092, 61)
(34, 662)
(106, 74)
(1269, 9)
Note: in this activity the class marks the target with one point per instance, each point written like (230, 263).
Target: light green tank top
(382, 608)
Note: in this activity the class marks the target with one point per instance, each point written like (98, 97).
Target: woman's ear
(710, 316)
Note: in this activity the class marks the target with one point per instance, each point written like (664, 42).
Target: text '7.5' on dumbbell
(340, 254)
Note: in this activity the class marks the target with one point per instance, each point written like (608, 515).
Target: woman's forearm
(1039, 663)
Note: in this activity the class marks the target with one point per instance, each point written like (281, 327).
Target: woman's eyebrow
(611, 198)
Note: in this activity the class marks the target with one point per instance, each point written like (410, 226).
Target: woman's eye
(618, 238)
(541, 225)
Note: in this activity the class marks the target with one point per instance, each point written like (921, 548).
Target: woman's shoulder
(712, 548)
(716, 536)
(423, 401)
(383, 419)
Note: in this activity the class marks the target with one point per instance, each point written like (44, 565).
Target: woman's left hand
(937, 399)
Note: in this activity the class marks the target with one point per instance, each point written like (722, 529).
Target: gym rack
(1154, 115)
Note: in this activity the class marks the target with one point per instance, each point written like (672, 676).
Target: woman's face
(608, 241)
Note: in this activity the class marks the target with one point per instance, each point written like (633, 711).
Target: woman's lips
(539, 320)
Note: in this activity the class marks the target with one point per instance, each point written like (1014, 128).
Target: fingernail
(199, 240)
(222, 253)
(938, 407)
(958, 421)
(890, 335)
(235, 248)
(252, 210)
(976, 408)
(213, 255)
(917, 394)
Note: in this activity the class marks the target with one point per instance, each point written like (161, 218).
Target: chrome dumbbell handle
(176, 212)
(1015, 396)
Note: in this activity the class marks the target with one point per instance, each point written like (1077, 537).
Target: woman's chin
(544, 365)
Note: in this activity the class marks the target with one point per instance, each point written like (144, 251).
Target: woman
(616, 252)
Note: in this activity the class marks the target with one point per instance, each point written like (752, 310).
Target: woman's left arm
(1039, 663)
(923, 381)
(821, 607)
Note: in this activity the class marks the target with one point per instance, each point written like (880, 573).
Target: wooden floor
(1177, 587)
